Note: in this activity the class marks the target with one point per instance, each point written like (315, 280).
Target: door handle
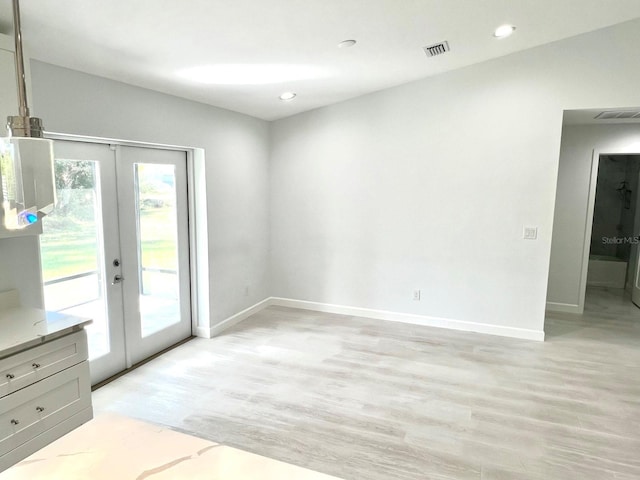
(117, 279)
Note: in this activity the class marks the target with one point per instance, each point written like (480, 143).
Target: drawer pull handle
(40, 409)
(10, 376)
(14, 421)
(35, 365)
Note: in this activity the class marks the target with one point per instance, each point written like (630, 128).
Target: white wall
(236, 149)
(20, 269)
(428, 185)
(570, 221)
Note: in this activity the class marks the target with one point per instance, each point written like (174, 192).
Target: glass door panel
(125, 266)
(72, 253)
(155, 190)
(154, 238)
(78, 245)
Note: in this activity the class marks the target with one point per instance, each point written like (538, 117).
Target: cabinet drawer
(39, 407)
(37, 363)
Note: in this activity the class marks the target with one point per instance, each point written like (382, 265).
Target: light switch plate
(530, 233)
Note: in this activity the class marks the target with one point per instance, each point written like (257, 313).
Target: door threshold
(139, 364)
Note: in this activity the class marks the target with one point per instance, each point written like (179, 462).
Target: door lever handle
(117, 279)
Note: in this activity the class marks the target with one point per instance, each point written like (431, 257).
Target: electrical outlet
(530, 233)
(416, 295)
(246, 291)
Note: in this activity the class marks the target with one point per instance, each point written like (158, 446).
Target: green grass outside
(69, 246)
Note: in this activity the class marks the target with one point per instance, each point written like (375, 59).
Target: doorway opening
(615, 233)
(116, 249)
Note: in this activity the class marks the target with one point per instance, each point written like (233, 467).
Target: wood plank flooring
(366, 399)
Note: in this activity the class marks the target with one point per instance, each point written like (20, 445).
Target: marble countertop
(115, 447)
(22, 328)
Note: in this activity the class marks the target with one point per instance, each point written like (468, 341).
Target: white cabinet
(45, 392)
(25, 368)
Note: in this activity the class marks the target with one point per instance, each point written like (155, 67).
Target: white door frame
(131, 221)
(593, 181)
(198, 225)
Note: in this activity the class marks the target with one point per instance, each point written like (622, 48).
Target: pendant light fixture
(27, 190)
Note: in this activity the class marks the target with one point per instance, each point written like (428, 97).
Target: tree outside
(70, 243)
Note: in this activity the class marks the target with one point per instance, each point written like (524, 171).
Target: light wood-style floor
(367, 399)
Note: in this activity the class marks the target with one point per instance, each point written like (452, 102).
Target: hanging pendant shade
(27, 189)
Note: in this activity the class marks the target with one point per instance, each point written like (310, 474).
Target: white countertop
(22, 328)
(112, 447)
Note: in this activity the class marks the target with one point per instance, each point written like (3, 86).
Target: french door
(115, 249)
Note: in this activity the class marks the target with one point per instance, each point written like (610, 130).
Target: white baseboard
(564, 308)
(210, 332)
(202, 332)
(423, 320)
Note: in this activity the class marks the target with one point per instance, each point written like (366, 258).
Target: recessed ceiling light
(286, 96)
(346, 43)
(504, 31)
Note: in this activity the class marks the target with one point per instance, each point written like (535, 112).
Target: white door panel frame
(127, 158)
(198, 220)
(198, 278)
(108, 249)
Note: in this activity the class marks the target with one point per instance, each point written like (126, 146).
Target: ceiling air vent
(618, 115)
(436, 49)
